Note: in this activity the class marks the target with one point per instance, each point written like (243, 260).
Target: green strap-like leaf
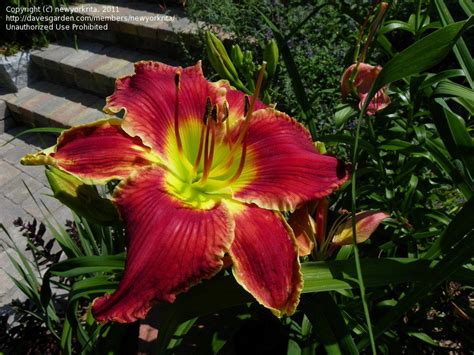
(421, 55)
(326, 317)
(431, 80)
(453, 259)
(441, 157)
(460, 225)
(455, 136)
(448, 88)
(467, 6)
(36, 130)
(460, 49)
(224, 292)
(396, 25)
(100, 263)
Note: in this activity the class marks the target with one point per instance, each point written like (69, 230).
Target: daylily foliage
(204, 172)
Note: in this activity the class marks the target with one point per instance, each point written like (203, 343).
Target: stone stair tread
(92, 66)
(46, 104)
(77, 76)
(91, 54)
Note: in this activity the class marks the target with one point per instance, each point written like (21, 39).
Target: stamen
(204, 131)
(177, 81)
(245, 125)
(225, 114)
(246, 105)
(237, 174)
(206, 144)
(214, 113)
(209, 151)
(258, 86)
(227, 163)
(199, 154)
(207, 113)
(227, 132)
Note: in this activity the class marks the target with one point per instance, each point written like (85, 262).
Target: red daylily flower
(204, 174)
(364, 78)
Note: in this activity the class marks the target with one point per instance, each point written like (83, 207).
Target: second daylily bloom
(365, 223)
(361, 84)
(204, 170)
(311, 232)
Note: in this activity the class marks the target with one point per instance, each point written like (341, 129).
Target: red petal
(283, 168)
(100, 151)
(266, 258)
(171, 246)
(149, 97)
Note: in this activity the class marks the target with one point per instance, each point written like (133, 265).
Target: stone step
(44, 104)
(92, 67)
(136, 24)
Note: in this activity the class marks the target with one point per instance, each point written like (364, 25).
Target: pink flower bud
(366, 223)
(363, 80)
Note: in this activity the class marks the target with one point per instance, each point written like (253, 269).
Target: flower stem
(373, 30)
(360, 278)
